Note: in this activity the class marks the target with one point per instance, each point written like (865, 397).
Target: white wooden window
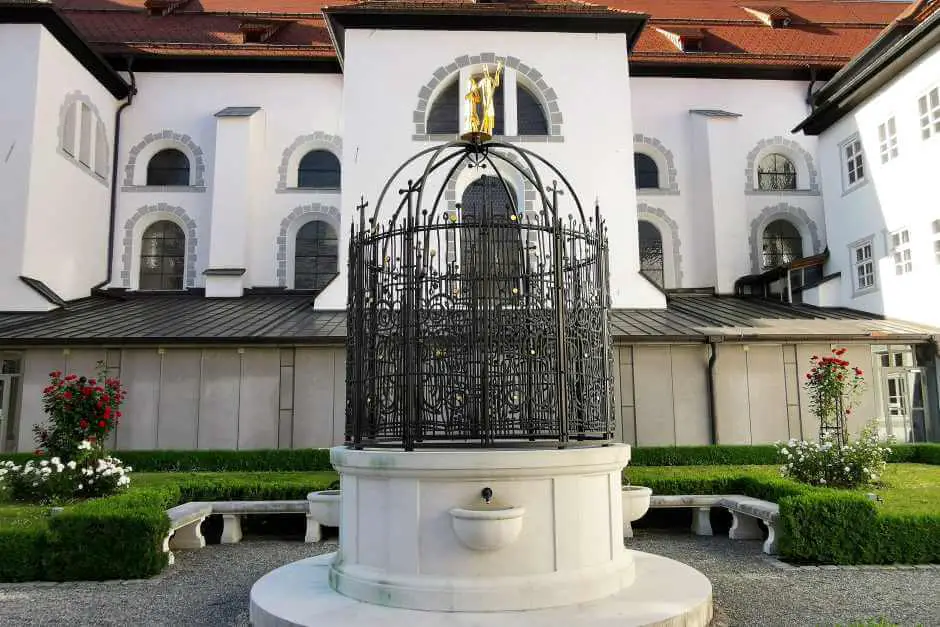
(863, 262)
(68, 131)
(84, 142)
(888, 140)
(901, 251)
(929, 109)
(936, 240)
(853, 162)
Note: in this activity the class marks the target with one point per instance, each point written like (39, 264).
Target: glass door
(897, 415)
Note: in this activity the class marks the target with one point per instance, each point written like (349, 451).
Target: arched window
(530, 117)
(646, 171)
(319, 169)
(651, 252)
(781, 243)
(444, 117)
(776, 172)
(487, 200)
(316, 257)
(168, 167)
(162, 257)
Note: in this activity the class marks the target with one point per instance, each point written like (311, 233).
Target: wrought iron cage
(481, 323)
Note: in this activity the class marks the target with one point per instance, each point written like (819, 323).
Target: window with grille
(489, 207)
(168, 167)
(646, 172)
(162, 257)
(888, 140)
(530, 118)
(853, 162)
(901, 251)
(652, 262)
(316, 256)
(781, 244)
(319, 169)
(929, 108)
(444, 116)
(864, 266)
(776, 172)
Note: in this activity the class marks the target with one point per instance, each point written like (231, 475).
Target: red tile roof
(823, 33)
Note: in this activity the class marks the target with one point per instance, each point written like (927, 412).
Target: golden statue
(482, 91)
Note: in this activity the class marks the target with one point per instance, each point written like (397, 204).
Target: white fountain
(480, 483)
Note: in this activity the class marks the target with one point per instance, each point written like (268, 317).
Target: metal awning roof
(289, 318)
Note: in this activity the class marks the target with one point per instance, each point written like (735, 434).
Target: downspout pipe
(112, 218)
(710, 384)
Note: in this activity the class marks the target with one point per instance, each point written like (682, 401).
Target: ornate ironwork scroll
(484, 324)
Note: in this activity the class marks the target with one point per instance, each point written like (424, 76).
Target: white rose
(71, 465)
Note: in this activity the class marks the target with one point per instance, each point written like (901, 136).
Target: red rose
(102, 424)
(107, 412)
(106, 398)
(118, 414)
(67, 396)
(91, 382)
(71, 377)
(83, 424)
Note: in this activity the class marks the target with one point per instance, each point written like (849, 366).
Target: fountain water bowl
(487, 526)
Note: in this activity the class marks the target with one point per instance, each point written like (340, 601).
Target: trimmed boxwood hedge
(121, 537)
(299, 460)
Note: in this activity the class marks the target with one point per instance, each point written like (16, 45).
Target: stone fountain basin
(636, 502)
(487, 526)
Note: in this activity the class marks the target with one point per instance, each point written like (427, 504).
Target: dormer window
(259, 31)
(685, 39)
(773, 16)
(160, 8)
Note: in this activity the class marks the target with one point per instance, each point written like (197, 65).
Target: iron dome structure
(483, 324)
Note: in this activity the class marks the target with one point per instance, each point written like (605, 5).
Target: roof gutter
(115, 153)
(710, 385)
(887, 49)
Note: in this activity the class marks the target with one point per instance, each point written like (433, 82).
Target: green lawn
(910, 489)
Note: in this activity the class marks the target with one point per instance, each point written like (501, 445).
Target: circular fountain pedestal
(417, 534)
(545, 547)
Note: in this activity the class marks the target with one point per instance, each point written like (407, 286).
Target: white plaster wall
(19, 62)
(384, 70)
(899, 194)
(293, 105)
(67, 225)
(712, 210)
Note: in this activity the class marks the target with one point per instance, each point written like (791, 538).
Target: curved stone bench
(185, 531)
(701, 505)
(232, 512)
(745, 512)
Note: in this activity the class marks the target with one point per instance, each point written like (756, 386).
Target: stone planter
(636, 502)
(487, 527)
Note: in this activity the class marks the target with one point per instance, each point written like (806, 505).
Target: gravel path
(210, 587)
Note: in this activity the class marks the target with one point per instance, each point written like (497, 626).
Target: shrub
(718, 455)
(22, 545)
(833, 389)
(120, 537)
(277, 460)
(52, 480)
(829, 464)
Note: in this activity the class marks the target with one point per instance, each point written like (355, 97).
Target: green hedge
(22, 549)
(286, 460)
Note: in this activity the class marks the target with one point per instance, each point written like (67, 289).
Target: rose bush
(71, 459)
(834, 386)
(825, 463)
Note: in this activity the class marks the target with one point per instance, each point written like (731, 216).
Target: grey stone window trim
(163, 211)
(782, 211)
(170, 139)
(292, 223)
(291, 158)
(807, 179)
(669, 229)
(69, 105)
(668, 174)
(533, 79)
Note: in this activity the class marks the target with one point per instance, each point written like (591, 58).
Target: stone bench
(745, 512)
(232, 512)
(701, 505)
(185, 532)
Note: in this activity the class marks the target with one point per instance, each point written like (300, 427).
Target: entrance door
(905, 411)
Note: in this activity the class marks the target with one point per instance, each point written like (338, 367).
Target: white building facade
(229, 188)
